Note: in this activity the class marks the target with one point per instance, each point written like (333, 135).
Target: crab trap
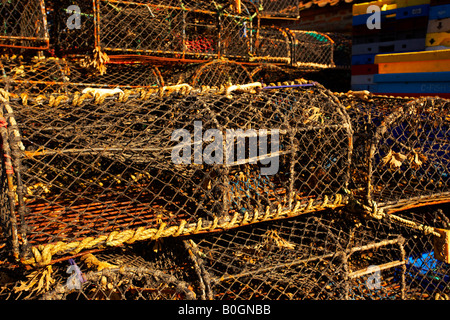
(401, 157)
(320, 256)
(311, 49)
(24, 25)
(220, 73)
(280, 8)
(91, 170)
(44, 76)
(323, 256)
(159, 28)
(272, 45)
(327, 255)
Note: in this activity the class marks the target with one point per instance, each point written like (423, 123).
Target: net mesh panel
(73, 40)
(325, 255)
(98, 168)
(46, 76)
(272, 45)
(24, 24)
(237, 36)
(179, 73)
(290, 259)
(220, 73)
(317, 256)
(280, 8)
(426, 277)
(311, 49)
(342, 53)
(34, 76)
(271, 73)
(402, 152)
(125, 76)
(174, 28)
(134, 273)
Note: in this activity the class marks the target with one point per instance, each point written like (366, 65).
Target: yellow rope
(92, 261)
(42, 254)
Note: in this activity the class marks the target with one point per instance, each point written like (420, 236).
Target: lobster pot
(272, 45)
(34, 76)
(402, 155)
(311, 49)
(272, 73)
(129, 274)
(220, 73)
(124, 76)
(166, 29)
(280, 8)
(91, 172)
(57, 76)
(315, 257)
(24, 24)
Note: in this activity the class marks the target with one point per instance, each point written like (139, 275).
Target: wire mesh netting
(99, 170)
(220, 73)
(280, 8)
(316, 256)
(34, 76)
(124, 76)
(129, 275)
(24, 24)
(44, 76)
(402, 152)
(311, 49)
(342, 54)
(176, 28)
(272, 45)
(325, 256)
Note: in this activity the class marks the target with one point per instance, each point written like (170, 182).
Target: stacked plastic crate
(438, 32)
(420, 73)
(423, 73)
(402, 28)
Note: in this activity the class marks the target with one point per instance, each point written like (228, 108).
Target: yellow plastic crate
(361, 8)
(414, 66)
(437, 39)
(413, 56)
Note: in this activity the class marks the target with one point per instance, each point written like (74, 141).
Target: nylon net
(34, 76)
(44, 76)
(328, 255)
(220, 73)
(401, 155)
(162, 28)
(93, 167)
(312, 49)
(24, 24)
(280, 8)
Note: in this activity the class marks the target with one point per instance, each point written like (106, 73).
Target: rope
(42, 254)
(92, 261)
(378, 213)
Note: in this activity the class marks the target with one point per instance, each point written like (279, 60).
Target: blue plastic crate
(428, 271)
(400, 13)
(439, 12)
(363, 59)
